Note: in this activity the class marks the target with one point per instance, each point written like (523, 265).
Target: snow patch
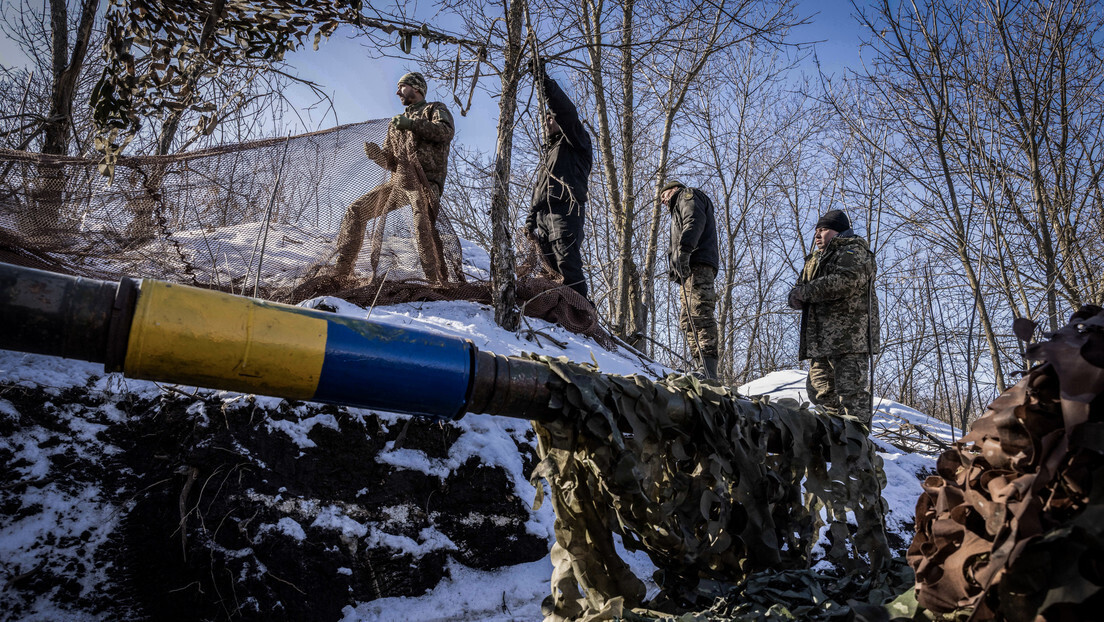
(299, 431)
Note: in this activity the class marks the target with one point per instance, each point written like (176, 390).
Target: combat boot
(710, 363)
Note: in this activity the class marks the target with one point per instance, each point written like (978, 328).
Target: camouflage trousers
(698, 299)
(838, 385)
(380, 201)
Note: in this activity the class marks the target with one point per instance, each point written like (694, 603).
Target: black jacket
(693, 229)
(566, 161)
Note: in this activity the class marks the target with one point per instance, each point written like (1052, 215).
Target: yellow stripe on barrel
(210, 339)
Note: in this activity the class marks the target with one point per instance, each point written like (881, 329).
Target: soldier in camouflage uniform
(839, 318)
(693, 260)
(429, 125)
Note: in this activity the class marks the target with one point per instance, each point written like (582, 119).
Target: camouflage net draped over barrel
(1012, 527)
(739, 486)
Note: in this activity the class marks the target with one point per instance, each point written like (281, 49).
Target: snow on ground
(512, 593)
(504, 595)
(515, 593)
(229, 257)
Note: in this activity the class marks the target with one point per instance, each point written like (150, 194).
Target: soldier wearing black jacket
(693, 260)
(559, 198)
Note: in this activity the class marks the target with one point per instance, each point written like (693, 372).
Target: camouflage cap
(415, 80)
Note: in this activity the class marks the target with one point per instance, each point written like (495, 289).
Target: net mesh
(263, 219)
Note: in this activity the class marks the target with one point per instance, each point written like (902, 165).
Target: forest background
(964, 139)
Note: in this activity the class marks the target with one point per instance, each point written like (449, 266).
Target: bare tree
(988, 116)
(57, 43)
(751, 134)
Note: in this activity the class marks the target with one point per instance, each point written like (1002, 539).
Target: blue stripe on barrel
(398, 369)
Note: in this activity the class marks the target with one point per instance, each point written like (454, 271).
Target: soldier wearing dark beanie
(839, 319)
(835, 220)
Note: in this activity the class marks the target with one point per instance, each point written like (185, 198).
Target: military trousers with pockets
(698, 300)
(838, 384)
(380, 201)
(560, 237)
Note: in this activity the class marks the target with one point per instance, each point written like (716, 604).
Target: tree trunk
(651, 252)
(593, 23)
(503, 287)
(631, 313)
(66, 67)
(675, 98)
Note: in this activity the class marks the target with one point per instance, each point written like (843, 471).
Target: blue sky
(364, 88)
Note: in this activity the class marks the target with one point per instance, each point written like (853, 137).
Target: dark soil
(223, 516)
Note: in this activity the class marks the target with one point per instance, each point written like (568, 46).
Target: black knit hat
(835, 220)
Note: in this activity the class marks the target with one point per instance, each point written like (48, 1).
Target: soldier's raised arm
(567, 115)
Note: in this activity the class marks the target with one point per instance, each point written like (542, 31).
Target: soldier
(557, 213)
(693, 260)
(429, 129)
(839, 318)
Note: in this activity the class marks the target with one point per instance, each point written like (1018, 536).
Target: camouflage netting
(736, 488)
(186, 218)
(1012, 527)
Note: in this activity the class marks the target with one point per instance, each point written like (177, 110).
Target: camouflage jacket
(432, 133)
(840, 316)
(693, 229)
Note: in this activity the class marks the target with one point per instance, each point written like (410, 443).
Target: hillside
(291, 509)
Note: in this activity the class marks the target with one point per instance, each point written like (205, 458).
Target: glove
(402, 122)
(531, 227)
(537, 67)
(372, 150)
(796, 298)
(680, 269)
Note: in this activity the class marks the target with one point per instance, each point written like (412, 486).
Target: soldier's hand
(681, 269)
(402, 122)
(796, 298)
(372, 150)
(536, 67)
(684, 267)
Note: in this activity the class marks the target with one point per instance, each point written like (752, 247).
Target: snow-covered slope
(50, 524)
(86, 459)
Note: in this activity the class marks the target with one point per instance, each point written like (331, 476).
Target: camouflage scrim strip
(1012, 526)
(737, 487)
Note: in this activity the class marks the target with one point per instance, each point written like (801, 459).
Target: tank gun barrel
(154, 330)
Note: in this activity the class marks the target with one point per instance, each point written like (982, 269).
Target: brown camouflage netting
(186, 218)
(1012, 527)
(540, 293)
(738, 487)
